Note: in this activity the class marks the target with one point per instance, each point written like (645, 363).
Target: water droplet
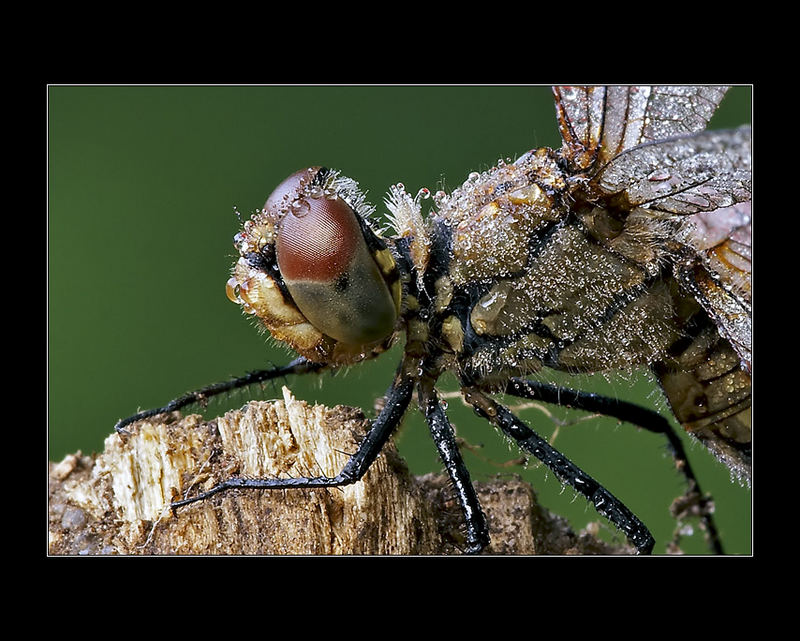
(232, 290)
(568, 94)
(300, 208)
(659, 174)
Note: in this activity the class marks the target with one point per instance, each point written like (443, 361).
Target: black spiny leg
(297, 366)
(604, 502)
(444, 437)
(397, 400)
(630, 413)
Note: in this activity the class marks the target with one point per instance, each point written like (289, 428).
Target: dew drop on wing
(659, 174)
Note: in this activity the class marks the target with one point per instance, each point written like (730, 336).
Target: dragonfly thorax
(520, 281)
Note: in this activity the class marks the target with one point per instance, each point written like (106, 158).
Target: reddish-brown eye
(325, 262)
(317, 239)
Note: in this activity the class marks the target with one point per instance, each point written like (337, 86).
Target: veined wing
(599, 123)
(682, 176)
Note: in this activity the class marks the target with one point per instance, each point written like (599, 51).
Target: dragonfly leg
(444, 437)
(630, 413)
(604, 502)
(397, 400)
(297, 366)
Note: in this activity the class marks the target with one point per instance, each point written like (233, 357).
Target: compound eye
(317, 239)
(326, 264)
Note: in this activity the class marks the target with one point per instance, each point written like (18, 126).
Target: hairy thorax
(530, 283)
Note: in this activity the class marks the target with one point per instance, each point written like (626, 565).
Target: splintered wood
(117, 502)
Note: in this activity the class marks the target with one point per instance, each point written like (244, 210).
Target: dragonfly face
(626, 248)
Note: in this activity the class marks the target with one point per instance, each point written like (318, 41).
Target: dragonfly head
(314, 272)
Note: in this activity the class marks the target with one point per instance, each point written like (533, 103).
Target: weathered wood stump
(117, 502)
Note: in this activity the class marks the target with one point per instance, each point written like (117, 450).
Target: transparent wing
(687, 175)
(599, 123)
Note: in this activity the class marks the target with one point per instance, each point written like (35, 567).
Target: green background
(142, 185)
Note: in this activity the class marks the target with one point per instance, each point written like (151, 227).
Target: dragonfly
(628, 247)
